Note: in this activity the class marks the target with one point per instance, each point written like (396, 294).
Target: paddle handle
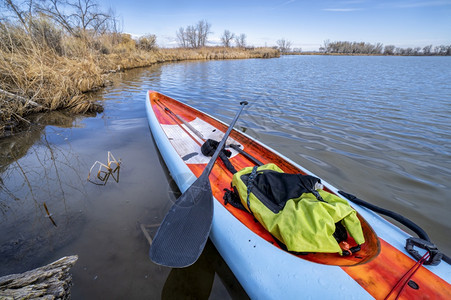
(210, 165)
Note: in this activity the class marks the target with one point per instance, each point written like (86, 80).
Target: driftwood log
(52, 281)
(22, 100)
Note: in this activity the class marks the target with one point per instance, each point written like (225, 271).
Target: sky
(306, 24)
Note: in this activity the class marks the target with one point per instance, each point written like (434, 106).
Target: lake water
(377, 127)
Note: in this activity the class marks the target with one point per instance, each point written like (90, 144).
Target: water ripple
(382, 123)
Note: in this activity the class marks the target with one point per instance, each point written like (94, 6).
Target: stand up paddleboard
(381, 269)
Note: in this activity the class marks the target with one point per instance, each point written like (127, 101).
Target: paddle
(186, 123)
(184, 231)
(253, 159)
(196, 132)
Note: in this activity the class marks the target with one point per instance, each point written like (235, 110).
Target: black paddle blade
(184, 231)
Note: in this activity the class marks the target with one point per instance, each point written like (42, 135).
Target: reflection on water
(196, 281)
(36, 175)
(101, 223)
(377, 127)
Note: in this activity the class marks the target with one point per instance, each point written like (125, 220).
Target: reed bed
(47, 70)
(207, 53)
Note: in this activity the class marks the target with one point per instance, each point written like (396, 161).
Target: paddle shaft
(184, 231)
(254, 160)
(211, 163)
(196, 132)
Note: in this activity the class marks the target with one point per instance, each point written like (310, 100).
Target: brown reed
(55, 71)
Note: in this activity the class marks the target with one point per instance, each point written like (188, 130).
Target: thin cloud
(342, 9)
(284, 3)
(353, 2)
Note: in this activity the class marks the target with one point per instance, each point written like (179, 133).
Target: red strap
(406, 278)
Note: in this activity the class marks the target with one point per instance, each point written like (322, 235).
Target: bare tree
(76, 16)
(427, 50)
(203, 30)
(378, 48)
(443, 50)
(194, 36)
(326, 47)
(448, 50)
(352, 47)
(39, 29)
(389, 50)
(416, 50)
(227, 38)
(54, 10)
(284, 45)
(240, 40)
(182, 38)
(409, 51)
(20, 12)
(191, 36)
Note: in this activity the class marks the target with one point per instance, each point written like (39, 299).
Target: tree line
(47, 22)
(344, 47)
(196, 36)
(85, 18)
(76, 17)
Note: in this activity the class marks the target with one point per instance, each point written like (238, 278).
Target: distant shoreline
(360, 54)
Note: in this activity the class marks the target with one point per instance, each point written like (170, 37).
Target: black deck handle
(435, 255)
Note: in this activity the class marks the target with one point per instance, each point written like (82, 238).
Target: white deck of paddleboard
(265, 271)
(187, 145)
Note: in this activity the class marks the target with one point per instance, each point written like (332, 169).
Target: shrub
(147, 42)
(45, 34)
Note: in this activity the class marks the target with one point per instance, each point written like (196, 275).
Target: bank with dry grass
(44, 69)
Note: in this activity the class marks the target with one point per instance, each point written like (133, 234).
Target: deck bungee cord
(382, 268)
(423, 241)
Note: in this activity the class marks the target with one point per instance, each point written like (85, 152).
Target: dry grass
(36, 72)
(218, 53)
(55, 70)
